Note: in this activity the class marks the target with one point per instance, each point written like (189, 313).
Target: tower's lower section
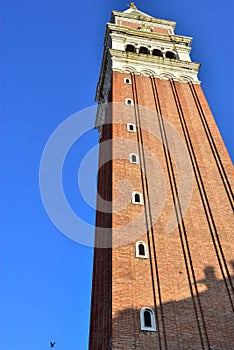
(188, 276)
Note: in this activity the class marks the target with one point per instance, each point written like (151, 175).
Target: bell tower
(163, 273)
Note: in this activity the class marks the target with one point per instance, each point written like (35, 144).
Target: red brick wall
(137, 25)
(100, 316)
(188, 277)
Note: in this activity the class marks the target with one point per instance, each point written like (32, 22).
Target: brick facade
(136, 26)
(189, 276)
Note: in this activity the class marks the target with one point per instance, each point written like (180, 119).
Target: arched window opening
(137, 198)
(147, 319)
(131, 127)
(141, 249)
(134, 158)
(130, 48)
(128, 102)
(144, 50)
(157, 52)
(170, 54)
(127, 81)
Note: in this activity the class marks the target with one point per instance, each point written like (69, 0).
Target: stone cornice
(176, 39)
(152, 63)
(145, 18)
(146, 65)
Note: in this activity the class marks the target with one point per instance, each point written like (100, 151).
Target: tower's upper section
(135, 19)
(138, 29)
(139, 43)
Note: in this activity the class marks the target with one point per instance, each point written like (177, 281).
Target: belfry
(163, 273)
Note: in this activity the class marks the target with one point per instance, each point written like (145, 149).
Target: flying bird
(52, 344)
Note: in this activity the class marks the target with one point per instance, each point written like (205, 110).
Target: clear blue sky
(50, 61)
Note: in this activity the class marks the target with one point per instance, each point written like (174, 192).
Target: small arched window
(130, 48)
(147, 319)
(157, 52)
(131, 127)
(170, 54)
(128, 101)
(142, 250)
(137, 198)
(144, 50)
(127, 81)
(134, 158)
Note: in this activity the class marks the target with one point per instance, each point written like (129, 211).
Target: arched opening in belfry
(130, 48)
(170, 54)
(157, 52)
(144, 50)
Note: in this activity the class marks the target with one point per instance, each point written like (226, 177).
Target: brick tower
(164, 244)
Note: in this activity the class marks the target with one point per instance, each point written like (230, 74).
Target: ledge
(176, 39)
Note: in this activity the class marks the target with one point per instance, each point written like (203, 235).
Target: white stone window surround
(152, 317)
(131, 155)
(129, 102)
(141, 202)
(138, 255)
(127, 81)
(131, 127)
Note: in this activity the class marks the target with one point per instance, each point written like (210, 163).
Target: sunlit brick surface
(189, 275)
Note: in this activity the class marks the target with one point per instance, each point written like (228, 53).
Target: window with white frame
(142, 250)
(137, 198)
(131, 127)
(127, 81)
(134, 158)
(147, 319)
(129, 101)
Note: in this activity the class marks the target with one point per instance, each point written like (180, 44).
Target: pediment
(133, 10)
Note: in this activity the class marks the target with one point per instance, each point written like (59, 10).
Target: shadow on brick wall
(204, 321)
